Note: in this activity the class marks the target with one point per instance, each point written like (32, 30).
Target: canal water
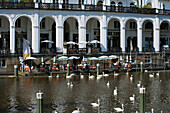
(18, 95)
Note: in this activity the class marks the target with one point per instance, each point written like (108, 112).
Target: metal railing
(48, 6)
(94, 7)
(71, 6)
(17, 5)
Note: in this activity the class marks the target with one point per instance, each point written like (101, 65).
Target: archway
(23, 29)
(47, 35)
(113, 36)
(93, 33)
(131, 35)
(147, 33)
(4, 35)
(164, 34)
(71, 34)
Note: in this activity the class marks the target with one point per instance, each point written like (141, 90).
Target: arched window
(164, 26)
(100, 3)
(132, 4)
(120, 4)
(112, 3)
(148, 25)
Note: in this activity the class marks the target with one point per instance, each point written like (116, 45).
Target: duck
(96, 104)
(116, 74)
(119, 109)
(76, 111)
(115, 91)
(132, 98)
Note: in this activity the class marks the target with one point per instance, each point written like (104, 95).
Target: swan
(58, 76)
(68, 83)
(99, 77)
(108, 84)
(91, 76)
(119, 109)
(157, 73)
(50, 76)
(131, 77)
(132, 98)
(152, 110)
(96, 104)
(151, 75)
(54, 111)
(105, 75)
(139, 84)
(71, 84)
(81, 76)
(115, 91)
(127, 73)
(72, 74)
(76, 111)
(146, 70)
(116, 74)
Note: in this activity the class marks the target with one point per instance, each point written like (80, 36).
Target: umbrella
(93, 58)
(94, 41)
(63, 58)
(73, 57)
(47, 41)
(82, 42)
(103, 57)
(113, 57)
(30, 58)
(71, 42)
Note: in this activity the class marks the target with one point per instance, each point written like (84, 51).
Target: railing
(164, 12)
(130, 9)
(148, 49)
(71, 6)
(94, 7)
(17, 5)
(48, 6)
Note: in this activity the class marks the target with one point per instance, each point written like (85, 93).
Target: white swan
(151, 75)
(115, 91)
(99, 77)
(127, 73)
(139, 84)
(68, 83)
(81, 76)
(76, 111)
(119, 109)
(105, 75)
(108, 84)
(96, 104)
(50, 76)
(157, 73)
(152, 110)
(54, 111)
(131, 77)
(91, 76)
(58, 76)
(116, 74)
(132, 98)
(71, 84)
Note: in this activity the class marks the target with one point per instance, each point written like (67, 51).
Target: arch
(146, 19)
(90, 17)
(75, 17)
(23, 15)
(112, 3)
(132, 4)
(120, 4)
(7, 17)
(135, 19)
(110, 18)
(45, 16)
(100, 2)
(168, 21)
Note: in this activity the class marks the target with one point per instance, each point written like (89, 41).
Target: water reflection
(18, 94)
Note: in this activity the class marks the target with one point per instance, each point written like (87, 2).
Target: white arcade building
(119, 25)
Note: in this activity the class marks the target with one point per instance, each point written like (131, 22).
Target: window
(112, 3)
(164, 26)
(116, 24)
(0, 22)
(18, 23)
(148, 25)
(42, 24)
(2, 63)
(133, 25)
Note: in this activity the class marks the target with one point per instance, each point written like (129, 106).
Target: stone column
(12, 39)
(139, 34)
(82, 32)
(59, 38)
(103, 34)
(156, 43)
(122, 36)
(35, 39)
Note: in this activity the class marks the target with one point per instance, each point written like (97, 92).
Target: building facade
(119, 25)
